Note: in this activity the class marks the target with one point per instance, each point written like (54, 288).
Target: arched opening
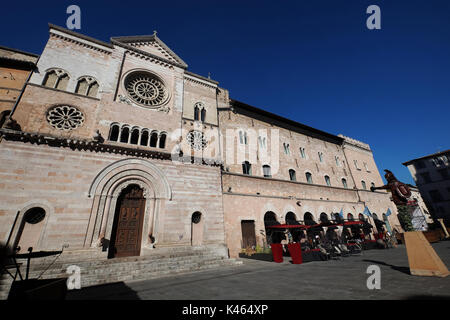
(154, 139)
(114, 133)
(327, 181)
(350, 217)
(270, 219)
(196, 229)
(344, 183)
(125, 134)
(292, 175)
(134, 139)
(308, 177)
(291, 218)
(3, 116)
(126, 233)
(196, 113)
(162, 140)
(144, 138)
(308, 219)
(203, 115)
(246, 168)
(361, 217)
(30, 229)
(266, 171)
(323, 218)
(93, 89)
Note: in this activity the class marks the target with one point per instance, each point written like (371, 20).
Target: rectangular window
(356, 164)
(286, 148)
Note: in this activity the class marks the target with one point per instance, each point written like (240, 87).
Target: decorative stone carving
(145, 89)
(196, 139)
(123, 99)
(65, 117)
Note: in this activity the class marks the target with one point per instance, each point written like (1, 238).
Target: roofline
(145, 38)
(426, 157)
(313, 132)
(201, 77)
(81, 36)
(20, 51)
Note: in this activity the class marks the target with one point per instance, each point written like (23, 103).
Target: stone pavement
(336, 279)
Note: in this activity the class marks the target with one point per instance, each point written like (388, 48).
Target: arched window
(350, 217)
(196, 113)
(134, 139)
(292, 175)
(363, 183)
(290, 218)
(242, 137)
(344, 182)
(203, 115)
(196, 229)
(266, 171)
(308, 219)
(162, 140)
(372, 185)
(153, 139)
(323, 217)
(30, 229)
(124, 135)
(246, 168)
(309, 177)
(199, 112)
(144, 137)
(87, 86)
(327, 181)
(361, 217)
(114, 132)
(375, 216)
(57, 79)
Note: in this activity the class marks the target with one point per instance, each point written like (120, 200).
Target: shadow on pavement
(401, 269)
(112, 291)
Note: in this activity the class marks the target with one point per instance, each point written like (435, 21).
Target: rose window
(196, 139)
(65, 118)
(145, 89)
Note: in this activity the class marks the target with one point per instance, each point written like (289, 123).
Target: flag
(367, 212)
(342, 212)
(388, 212)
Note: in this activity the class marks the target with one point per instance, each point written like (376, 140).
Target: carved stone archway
(106, 189)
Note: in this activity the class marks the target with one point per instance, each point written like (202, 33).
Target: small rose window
(65, 117)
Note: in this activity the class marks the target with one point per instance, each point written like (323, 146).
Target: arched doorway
(270, 219)
(291, 218)
(323, 218)
(308, 219)
(128, 220)
(196, 229)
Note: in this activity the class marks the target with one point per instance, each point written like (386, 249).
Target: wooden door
(126, 241)
(248, 234)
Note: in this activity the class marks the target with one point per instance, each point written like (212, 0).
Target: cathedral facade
(117, 147)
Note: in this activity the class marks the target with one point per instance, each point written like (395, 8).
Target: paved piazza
(337, 279)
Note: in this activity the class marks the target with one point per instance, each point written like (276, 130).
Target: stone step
(126, 266)
(36, 267)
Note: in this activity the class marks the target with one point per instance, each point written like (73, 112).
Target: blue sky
(312, 61)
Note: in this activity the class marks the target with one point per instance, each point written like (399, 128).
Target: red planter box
(277, 252)
(296, 252)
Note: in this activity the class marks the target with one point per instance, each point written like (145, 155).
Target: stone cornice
(148, 56)
(96, 146)
(80, 39)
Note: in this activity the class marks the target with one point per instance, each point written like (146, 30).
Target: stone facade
(97, 117)
(248, 197)
(431, 174)
(73, 169)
